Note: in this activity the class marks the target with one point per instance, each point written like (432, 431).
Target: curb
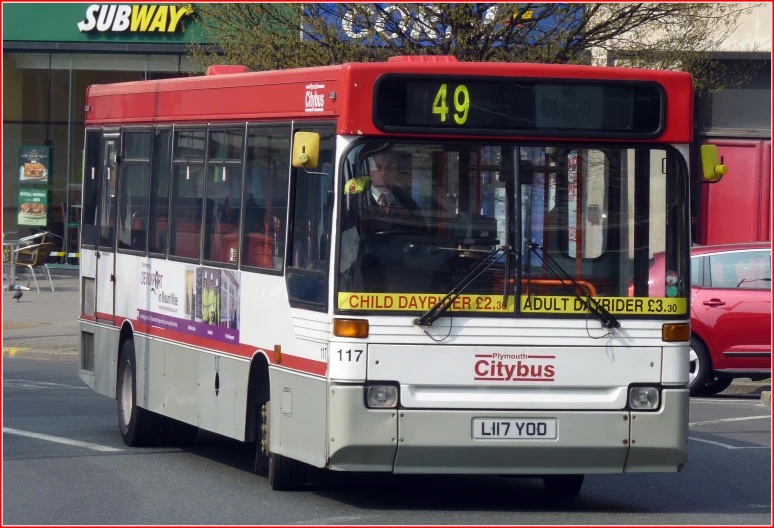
(747, 388)
(766, 398)
(31, 352)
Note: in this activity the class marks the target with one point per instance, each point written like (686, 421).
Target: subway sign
(142, 18)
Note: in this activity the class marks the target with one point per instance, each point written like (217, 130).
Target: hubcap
(693, 369)
(126, 395)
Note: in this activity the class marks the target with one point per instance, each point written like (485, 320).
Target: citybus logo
(314, 101)
(144, 18)
(513, 367)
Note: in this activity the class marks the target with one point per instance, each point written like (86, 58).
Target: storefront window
(44, 95)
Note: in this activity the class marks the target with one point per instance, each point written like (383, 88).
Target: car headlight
(643, 398)
(382, 396)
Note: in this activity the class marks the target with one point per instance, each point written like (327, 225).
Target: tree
(678, 36)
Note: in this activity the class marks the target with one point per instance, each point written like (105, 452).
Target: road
(64, 463)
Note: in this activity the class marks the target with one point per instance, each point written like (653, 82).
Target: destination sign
(545, 107)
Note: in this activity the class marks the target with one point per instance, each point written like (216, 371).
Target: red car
(730, 315)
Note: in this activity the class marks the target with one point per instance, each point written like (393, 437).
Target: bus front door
(106, 248)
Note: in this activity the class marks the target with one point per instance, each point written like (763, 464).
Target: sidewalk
(45, 322)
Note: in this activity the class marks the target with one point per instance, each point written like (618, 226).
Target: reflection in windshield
(415, 218)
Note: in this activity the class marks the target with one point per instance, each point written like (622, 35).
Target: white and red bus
(411, 267)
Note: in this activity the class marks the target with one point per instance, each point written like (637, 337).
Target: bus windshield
(416, 217)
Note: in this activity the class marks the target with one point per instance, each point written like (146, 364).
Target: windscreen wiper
(605, 318)
(446, 302)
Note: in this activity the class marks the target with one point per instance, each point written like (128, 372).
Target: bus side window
(159, 197)
(186, 196)
(223, 182)
(266, 196)
(134, 191)
(311, 229)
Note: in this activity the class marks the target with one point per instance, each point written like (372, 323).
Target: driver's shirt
(377, 194)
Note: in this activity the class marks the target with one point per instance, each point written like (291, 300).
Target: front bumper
(440, 441)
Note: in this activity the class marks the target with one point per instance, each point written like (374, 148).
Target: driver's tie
(383, 203)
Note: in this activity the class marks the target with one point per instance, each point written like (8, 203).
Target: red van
(730, 315)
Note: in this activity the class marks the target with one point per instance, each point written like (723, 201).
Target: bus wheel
(285, 474)
(139, 427)
(700, 367)
(568, 485)
(261, 440)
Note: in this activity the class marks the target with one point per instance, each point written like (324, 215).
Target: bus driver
(380, 204)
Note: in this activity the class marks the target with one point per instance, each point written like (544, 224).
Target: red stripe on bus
(308, 366)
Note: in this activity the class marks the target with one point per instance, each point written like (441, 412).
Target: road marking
(36, 385)
(716, 400)
(724, 420)
(727, 446)
(59, 440)
(11, 352)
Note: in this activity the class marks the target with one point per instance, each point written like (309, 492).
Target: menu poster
(34, 164)
(33, 207)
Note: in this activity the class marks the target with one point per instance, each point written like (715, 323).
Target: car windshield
(416, 217)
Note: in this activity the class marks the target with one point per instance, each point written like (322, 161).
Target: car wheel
(700, 369)
(716, 386)
(139, 427)
(567, 485)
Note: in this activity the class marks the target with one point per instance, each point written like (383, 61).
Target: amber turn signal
(350, 327)
(277, 353)
(676, 332)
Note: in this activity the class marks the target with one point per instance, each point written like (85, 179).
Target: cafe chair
(35, 256)
(6, 261)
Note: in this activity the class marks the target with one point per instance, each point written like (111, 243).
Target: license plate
(490, 429)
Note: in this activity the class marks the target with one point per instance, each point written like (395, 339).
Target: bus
(418, 266)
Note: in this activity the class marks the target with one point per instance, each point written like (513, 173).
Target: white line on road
(30, 384)
(721, 400)
(59, 440)
(724, 420)
(727, 446)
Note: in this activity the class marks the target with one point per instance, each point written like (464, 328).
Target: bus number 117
(348, 353)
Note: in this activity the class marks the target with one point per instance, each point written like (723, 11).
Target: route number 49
(461, 103)
(349, 354)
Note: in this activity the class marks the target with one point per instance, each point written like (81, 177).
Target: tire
(700, 369)
(716, 386)
(139, 427)
(285, 474)
(563, 485)
(261, 440)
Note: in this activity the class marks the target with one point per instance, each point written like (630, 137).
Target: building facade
(738, 120)
(45, 76)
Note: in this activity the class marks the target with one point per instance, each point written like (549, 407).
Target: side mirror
(306, 150)
(710, 163)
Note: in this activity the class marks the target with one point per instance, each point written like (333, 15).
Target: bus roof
(343, 92)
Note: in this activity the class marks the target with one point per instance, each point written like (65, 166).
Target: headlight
(382, 396)
(643, 398)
